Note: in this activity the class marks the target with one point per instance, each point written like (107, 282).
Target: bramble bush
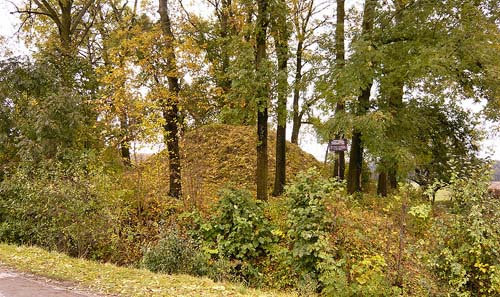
(238, 228)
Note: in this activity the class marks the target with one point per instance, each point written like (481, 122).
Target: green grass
(110, 279)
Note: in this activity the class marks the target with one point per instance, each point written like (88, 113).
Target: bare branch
(188, 16)
(31, 12)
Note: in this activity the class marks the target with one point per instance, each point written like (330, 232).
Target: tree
(44, 120)
(170, 103)
(391, 92)
(280, 32)
(339, 163)
(422, 56)
(363, 101)
(115, 27)
(446, 136)
(59, 29)
(261, 96)
(228, 51)
(303, 13)
(69, 18)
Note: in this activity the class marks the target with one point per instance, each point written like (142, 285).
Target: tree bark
(125, 141)
(339, 165)
(356, 153)
(382, 184)
(297, 119)
(281, 42)
(393, 179)
(262, 99)
(170, 105)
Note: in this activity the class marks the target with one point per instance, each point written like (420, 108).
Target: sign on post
(337, 145)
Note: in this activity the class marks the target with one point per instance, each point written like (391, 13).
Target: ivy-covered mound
(216, 156)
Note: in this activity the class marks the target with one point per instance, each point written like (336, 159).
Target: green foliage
(444, 142)
(321, 245)
(467, 255)
(236, 238)
(308, 223)
(49, 115)
(368, 278)
(175, 254)
(421, 216)
(238, 229)
(58, 207)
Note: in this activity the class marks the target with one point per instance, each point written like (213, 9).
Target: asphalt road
(17, 284)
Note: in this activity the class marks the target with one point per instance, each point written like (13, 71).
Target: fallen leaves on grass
(110, 279)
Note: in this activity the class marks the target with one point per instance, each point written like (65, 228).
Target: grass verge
(110, 279)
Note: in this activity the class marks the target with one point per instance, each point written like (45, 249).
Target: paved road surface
(17, 284)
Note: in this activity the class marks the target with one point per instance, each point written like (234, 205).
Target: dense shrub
(175, 254)
(59, 207)
(238, 228)
(317, 252)
(309, 225)
(237, 236)
(467, 255)
(366, 277)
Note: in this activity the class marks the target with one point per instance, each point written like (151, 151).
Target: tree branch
(78, 18)
(50, 11)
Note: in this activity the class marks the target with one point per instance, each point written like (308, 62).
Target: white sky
(9, 24)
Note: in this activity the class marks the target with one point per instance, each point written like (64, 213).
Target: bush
(308, 221)
(238, 228)
(237, 237)
(175, 254)
(367, 278)
(329, 252)
(59, 207)
(467, 255)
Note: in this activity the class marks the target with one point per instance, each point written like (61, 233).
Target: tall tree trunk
(393, 179)
(339, 165)
(356, 154)
(297, 118)
(125, 142)
(170, 105)
(281, 40)
(394, 91)
(389, 167)
(262, 98)
(65, 28)
(382, 184)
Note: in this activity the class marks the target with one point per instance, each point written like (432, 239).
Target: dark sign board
(337, 145)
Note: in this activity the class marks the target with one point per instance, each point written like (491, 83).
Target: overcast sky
(9, 24)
